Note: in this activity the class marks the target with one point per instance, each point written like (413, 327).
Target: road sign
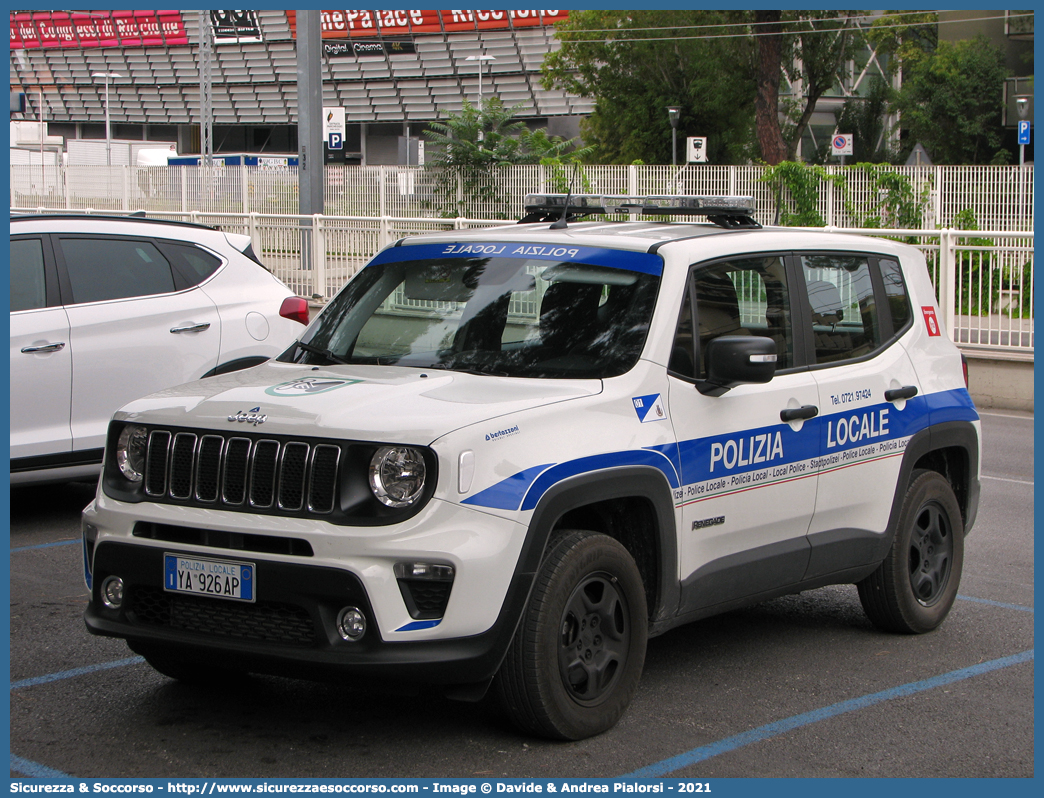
(1024, 131)
(841, 144)
(333, 127)
(696, 149)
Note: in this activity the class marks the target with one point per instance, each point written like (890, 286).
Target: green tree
(467, 149)
(769, 74)
(822, 44)
(904, 37)
(797, 187)
(864, 118)
(477, 137)
(490, 136)
(635, 64)
(951, 101)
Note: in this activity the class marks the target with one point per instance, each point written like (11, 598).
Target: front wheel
(913, 589)
(577, 655)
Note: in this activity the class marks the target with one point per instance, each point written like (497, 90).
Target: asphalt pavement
(802, 686)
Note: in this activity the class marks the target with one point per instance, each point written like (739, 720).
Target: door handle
(906, 392)
(802, 413)
(36, 350)
(191, 328)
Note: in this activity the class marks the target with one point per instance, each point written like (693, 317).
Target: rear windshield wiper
(315, 350)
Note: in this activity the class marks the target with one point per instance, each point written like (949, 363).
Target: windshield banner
(643, 262)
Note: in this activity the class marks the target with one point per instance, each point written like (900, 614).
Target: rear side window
(28, 287)
(895, 293)
(192, 263)
(845, 319)
(112, 268)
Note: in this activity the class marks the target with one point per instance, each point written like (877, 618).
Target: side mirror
(737, 360)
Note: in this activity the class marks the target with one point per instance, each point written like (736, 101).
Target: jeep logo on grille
(254, 416)
(307, 385)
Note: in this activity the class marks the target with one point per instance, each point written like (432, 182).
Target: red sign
(930, 321)
(405, 22)
(32, 30)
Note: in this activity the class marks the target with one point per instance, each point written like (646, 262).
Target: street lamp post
(1022, 105)
(108, 135)
(674, 111)
(479, 59)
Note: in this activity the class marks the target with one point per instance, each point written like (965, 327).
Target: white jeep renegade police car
(508, 456)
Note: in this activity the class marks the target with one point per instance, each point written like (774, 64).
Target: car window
(113, 268)
(683, 360)
(194, 264)
(515, 317)
(844, 316)
(28, 287)
(895, 293)
(744, 297)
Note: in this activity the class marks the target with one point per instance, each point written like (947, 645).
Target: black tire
(576, 658)
(913, 589)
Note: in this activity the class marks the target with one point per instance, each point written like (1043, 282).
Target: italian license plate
(201, 577)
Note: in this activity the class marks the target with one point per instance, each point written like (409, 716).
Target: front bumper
(290, 629)
(300, 589)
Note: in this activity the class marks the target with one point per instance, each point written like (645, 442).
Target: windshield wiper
(315, 350)
(482, 371)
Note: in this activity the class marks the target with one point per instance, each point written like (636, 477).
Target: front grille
(265, 474)
(269, 621)
(214, 538)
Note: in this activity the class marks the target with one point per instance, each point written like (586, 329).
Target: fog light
(351, 624)
(112, 592)
(425, 587)
(429, 571)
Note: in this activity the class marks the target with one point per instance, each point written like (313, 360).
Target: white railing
(996, 197)
(984, 279)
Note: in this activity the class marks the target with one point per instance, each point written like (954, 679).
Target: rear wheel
(915, 587)
(576, 658)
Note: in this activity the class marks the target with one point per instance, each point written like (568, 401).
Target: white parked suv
(506, 457)
(107, 309)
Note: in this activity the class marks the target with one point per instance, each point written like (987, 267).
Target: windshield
(541, 316)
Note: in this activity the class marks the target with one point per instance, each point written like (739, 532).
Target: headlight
(397, 475)
(130, 452)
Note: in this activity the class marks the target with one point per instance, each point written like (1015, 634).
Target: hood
(380, 403)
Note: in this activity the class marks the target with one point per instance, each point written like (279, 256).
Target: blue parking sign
(335, 141)
(1024, 131)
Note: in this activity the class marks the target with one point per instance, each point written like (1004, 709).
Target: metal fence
(984, 197)
(984, 279)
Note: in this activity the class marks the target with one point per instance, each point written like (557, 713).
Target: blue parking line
(47, 545)
(69, 674)
(35, 770)
(992, 603)
(675, 763)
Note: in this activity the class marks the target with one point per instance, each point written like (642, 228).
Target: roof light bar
(653, 205)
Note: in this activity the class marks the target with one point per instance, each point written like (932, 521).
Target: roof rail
(18, 215)
(728, 212)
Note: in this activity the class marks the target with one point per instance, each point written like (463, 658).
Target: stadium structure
(391, 71)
